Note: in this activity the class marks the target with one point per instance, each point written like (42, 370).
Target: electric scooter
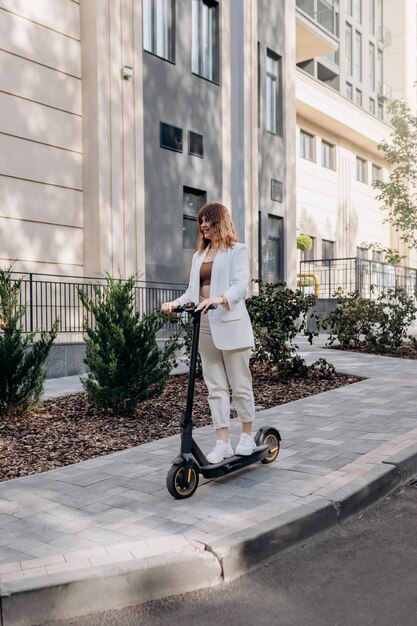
(183, 476)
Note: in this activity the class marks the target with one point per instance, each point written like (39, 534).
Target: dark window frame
(198, 71)
(277, 83)
(171, 34)
(166, 146)
(192, 152)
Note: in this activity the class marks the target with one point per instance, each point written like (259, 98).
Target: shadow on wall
(41, 154)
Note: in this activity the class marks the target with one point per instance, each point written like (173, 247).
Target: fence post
(330, 278)
(31, 302)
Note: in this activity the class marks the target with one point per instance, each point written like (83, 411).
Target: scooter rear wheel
(270, 437)
(179, 485)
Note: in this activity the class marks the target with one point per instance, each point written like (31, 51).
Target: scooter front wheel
(182, 482)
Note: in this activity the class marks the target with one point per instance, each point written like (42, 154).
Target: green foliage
(323, 368)
(22, 371)
(392, 256)
(185, 325)
(378, 324)
(305, 281)
(278, 314)
(126, 364)
(398, 194)
(304, 242)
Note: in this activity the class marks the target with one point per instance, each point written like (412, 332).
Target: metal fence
(369, 278)
(48, 298)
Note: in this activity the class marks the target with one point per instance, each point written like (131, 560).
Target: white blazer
(230, 324)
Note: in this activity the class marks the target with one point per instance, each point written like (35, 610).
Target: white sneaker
(221, 450)
(246, 445)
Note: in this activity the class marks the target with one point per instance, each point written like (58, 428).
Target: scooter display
(183, 476)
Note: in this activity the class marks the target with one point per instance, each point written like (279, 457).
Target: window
(306, 145)
(327, 249)
(376, 172)
(349, 91)
(205, 39)
(327, 155)
(357, 10)
(195, 144)
(170, 137)
(379, 67)
(193, 200)
(348, 7)
(159, 28)
(358, 97)
(308, 255)
(372, 106)
(358, 56)
(348, 49)
(379, 16)
(371, 67)
(360, 170)
(371, 16)
(272, 92)
(275, 249)
(380, 109)
(276, 190)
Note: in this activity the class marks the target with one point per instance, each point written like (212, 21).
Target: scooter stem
(193, 367)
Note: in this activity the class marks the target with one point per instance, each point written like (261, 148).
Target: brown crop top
(205, 273)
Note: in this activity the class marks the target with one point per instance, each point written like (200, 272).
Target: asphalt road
(363, 573)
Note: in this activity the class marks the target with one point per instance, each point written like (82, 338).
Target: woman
(220, 275)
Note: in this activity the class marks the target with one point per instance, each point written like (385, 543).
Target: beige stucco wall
(41, 215)
(332, 204)
(401, 70)
(113, 137)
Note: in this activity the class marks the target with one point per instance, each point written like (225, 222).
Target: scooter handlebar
(190, 307)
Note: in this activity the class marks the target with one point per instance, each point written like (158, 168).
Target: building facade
(121, 118)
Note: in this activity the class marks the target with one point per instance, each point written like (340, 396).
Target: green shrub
(22, 371)
(185, 327)
(304, 242)
(379, 324)
(278, 314)
(126, 364)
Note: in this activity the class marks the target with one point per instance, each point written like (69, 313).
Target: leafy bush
(126, 364)
(278, 314)
(185, 326)
(22, 371)
(304, 242)
(380, 324)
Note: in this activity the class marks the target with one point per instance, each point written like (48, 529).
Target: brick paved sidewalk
(117, 508)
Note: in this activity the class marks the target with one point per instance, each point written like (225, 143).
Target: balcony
(316, 28)
(384, 91)
(384, 36)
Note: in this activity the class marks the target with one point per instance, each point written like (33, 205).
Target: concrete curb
(37, 600)
(405, 462)
(242, 552)
(364, 491)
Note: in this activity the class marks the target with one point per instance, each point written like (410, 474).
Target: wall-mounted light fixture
(127, 72)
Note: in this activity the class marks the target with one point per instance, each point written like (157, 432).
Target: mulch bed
(406, 351)
(68, 430)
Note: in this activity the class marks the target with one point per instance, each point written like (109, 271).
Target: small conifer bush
(126, 364)
(22, 371)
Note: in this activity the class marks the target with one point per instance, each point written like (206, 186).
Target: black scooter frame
(191, 453)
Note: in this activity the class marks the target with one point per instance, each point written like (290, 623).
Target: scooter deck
(234, 463)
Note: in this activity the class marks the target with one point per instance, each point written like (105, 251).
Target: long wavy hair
(221, 223)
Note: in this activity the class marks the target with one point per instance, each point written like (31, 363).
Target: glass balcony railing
(321, 11)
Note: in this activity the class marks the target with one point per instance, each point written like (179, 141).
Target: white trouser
(222, 368)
